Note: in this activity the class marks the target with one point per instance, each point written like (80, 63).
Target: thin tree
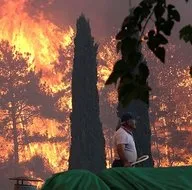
(15, 77)
(87, 140)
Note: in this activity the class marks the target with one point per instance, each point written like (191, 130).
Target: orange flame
(37, 36)
(42, 39)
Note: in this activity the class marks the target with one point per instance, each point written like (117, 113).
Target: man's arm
(121, 153)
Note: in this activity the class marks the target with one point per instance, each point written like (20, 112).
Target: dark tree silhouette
(131, 69)
(87, 143)
(22, 98)
(163, 15)
(15, 76)
(133, 87)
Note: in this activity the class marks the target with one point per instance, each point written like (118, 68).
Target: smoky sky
(105, 16)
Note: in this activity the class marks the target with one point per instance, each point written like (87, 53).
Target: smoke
(105, 16)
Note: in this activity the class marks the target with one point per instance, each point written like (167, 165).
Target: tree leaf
(167, 27)
(170, 7)
(160, 23)
(151, 42)
(126, 31)
(161, 39)
(151, 33)
(160, 53)
(119, 70)
(127, 93)
(137, 12)
(176, 16)
(128, 46)
(113, 77)
(143, 4)
(155, 40)
(133, 91)
(173, 14)
(145, 13)
(186, 33)
(159, 11)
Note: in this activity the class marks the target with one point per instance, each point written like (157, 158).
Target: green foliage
(133, 81)
(133, 90)
(120, 69)
(186, 33)
(154, 42)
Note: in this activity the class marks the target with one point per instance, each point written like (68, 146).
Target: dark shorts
(117, 163)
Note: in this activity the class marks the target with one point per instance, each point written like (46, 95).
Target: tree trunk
(156, 142)
(15, 141)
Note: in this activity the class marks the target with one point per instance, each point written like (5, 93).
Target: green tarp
(148, 178)
(123, 179)
(75, 180)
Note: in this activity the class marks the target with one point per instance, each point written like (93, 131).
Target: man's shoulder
(121, 137)
(120, 131)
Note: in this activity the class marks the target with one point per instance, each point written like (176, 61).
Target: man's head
(128, 121)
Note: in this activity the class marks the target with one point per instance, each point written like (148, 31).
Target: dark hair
(126, 117)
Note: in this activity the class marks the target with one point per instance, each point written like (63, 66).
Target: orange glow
(43, 40)
(107, 56)
(39, 37)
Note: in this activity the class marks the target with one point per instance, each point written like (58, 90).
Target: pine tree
(15, 79)
(87, 139)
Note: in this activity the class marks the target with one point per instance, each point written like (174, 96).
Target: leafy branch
(145, 25)
(132, 69)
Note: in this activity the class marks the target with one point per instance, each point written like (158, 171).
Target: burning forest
(36, 62)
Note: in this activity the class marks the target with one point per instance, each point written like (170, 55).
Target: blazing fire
(43, 40)
(30, 35)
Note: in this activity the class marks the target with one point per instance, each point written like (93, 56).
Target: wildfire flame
(43, 40)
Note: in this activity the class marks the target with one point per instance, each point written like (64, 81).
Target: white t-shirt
(123, 137)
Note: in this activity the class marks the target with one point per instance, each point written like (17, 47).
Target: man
(124, 145)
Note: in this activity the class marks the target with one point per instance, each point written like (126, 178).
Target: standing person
(124, 145)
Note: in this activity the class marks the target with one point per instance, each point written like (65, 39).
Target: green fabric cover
(171, 178)
(74, 180)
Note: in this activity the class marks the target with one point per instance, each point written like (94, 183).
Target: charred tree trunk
(87, 140)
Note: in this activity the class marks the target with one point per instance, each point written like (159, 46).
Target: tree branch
(144, 27)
